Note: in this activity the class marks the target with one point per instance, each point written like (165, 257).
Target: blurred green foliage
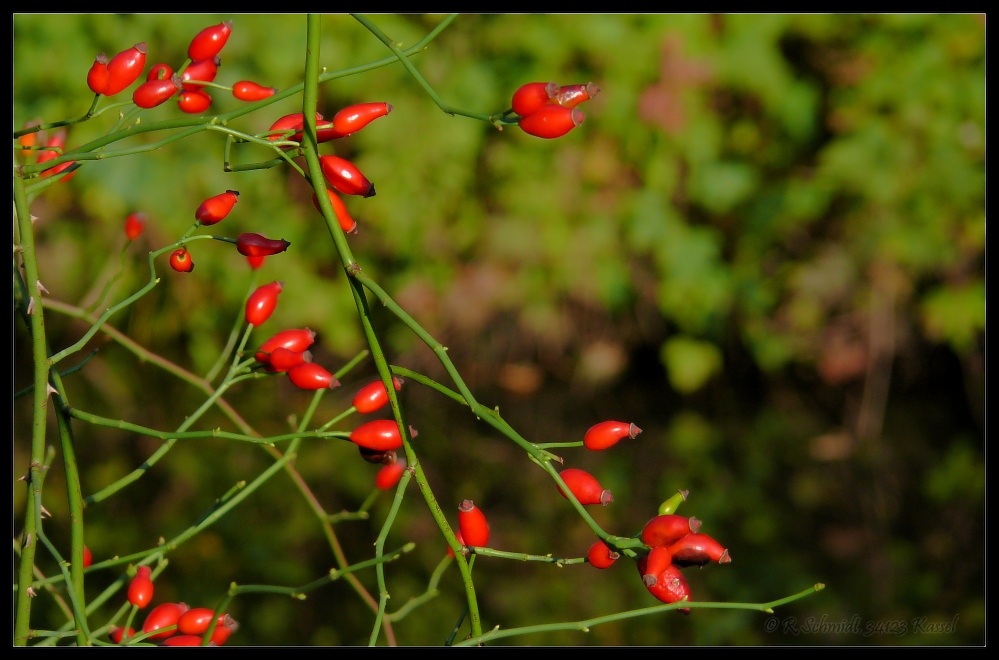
(765, 246)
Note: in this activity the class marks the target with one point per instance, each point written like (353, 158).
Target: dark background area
(765, 246)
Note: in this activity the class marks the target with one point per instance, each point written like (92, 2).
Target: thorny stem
(30, 304)
(586, 624)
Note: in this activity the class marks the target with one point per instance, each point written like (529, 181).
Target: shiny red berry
(255, 245)
(294, 121)
(88, 557)
(345, 177)
(294, 340)
(373, 396)
(181, 261)
(262, 302)
(154, 92)
(531, 97)
(117, 633)
(134, 224)
(670, 585)
(347, 223)
(194, 102)
(668, 529)
(390, 474)
(140, 589)
(98, 78)
(222, 632)
(160, 71)
(215, 209)
(163, 616)
(281, 359)
(247, 90)
(125, 68)
(473, 525)
(656, 562)
(203, 71)
(585, 487)
(286, 123)
(355, 117)
(380, 435)
(569, 96)
(552, 121)
(196, 620)
(697, 550)
(311, 376)
(601, 556)
(607, 434)
(207, 43)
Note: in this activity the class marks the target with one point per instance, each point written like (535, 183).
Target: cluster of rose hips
(378, 440)
(673, 541)
(109, 77)
(548, 110)
(178, 624)
(545, 110)
(212, 211)
(287, 351)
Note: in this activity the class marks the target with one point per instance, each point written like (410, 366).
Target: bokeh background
(765, 246)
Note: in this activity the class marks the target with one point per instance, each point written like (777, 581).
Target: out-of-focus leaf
(690, 362)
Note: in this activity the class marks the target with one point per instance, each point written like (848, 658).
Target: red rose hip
(207, 43)
(98, 78)
(255, 245)
(668, 529)
(607, 434)
(294, 340)
(601, 556)
(585, 487)
(125, 68)
(552, 121)
(247, 90)
(216, 208)
(373, 396)
(531, 97)
(311, 376)
(262, 302)
(181, 261)
(134, 224)
(390, 474)
(345, 177)
(472, 523)
(140, 589)
(380, 435)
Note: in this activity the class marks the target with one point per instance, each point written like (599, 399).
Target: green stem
(310, 151)
(153, 281)
(586, 624)
(401, 56)
(33, 308)
(148, 356)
